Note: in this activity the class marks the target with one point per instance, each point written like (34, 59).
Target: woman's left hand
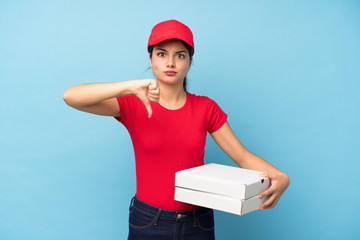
(279, 183)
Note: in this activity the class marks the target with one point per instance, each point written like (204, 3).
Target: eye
(181, 55)
(161, 54)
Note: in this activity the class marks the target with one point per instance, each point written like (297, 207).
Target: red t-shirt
(169, 141)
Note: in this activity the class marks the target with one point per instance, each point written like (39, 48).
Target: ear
(150, 61)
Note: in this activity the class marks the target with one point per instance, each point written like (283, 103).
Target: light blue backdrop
(286, 73)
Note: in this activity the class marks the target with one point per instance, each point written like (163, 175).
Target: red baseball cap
(171, 29)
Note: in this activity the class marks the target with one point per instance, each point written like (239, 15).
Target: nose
(170, 62)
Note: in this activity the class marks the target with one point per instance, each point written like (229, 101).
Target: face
(170, 62)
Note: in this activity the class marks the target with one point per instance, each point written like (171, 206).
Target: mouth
(170, 73)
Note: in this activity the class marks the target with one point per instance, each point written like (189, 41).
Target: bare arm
(230, 144)
(100, 98)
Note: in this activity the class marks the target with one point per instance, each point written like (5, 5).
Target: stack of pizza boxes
(225, 188)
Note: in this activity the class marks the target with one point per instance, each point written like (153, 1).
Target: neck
(172, 97)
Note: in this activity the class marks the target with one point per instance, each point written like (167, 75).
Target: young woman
(168, 127)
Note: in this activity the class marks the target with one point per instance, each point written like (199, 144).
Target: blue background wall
(286, 72)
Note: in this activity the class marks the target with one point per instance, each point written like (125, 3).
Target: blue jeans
(149, 222)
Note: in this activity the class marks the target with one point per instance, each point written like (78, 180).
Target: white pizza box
(225, 188)
(224, 180)
(218, 202)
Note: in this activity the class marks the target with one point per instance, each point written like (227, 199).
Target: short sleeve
(128, 106)
(217, 117)
(122, 101)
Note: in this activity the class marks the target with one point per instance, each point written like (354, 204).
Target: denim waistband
(169, 214)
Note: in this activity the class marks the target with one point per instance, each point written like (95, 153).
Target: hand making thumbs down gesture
(147, 91)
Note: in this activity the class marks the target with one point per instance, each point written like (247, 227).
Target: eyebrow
(161, 49)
